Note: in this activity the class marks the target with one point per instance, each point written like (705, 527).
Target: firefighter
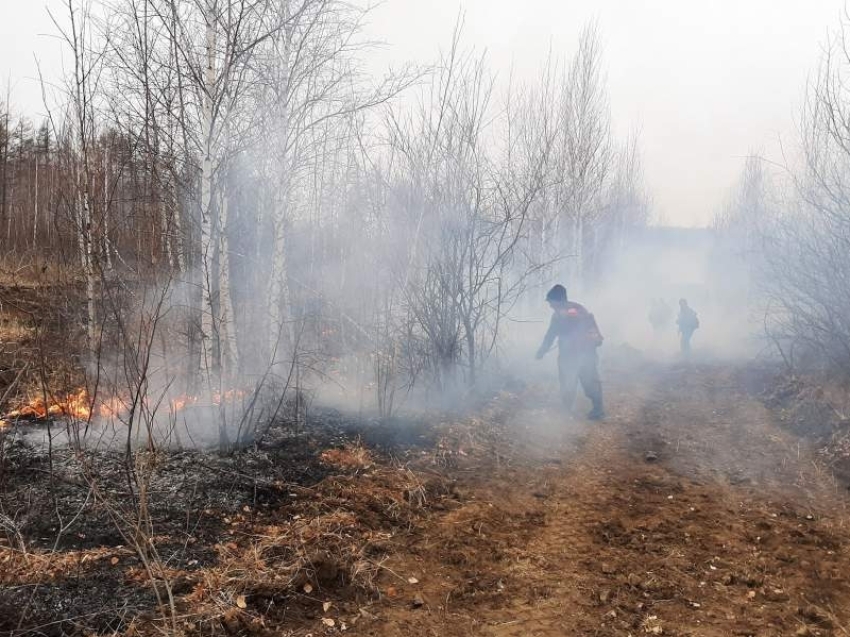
(578, 337)
(688, 322)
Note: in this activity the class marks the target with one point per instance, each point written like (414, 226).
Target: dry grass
(32, 269)
(14, 331)
(355, 457)
(334, 539)
(18, 567)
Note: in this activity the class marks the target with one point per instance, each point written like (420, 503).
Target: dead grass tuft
(352, 457)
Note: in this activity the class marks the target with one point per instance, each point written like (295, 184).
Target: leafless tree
(464, 205)
(314, 89)
(78, 135)
(584, 152)
(803, 242)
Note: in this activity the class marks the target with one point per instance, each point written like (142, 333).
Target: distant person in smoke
(660, 315)
(688, 323)
(578, 337)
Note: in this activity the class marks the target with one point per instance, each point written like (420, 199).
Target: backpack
(587, 324)
(689, 319)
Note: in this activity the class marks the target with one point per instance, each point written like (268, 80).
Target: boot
(597, 413)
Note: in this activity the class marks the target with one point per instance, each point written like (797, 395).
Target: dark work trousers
(580, 367)
(685, 343)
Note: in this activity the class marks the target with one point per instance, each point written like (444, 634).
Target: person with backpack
(578, 338)
(688, 323)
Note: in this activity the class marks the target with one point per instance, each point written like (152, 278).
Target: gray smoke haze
(374, 240)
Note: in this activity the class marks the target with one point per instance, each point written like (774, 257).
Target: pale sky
(703, 82)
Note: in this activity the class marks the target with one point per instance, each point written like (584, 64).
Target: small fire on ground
(79, 406)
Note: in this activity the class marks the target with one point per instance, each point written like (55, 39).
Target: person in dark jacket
(578, 337)
(688, 323)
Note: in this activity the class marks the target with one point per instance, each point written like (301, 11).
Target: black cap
(558, 293)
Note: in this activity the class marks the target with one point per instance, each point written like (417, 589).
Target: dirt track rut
(689, 512)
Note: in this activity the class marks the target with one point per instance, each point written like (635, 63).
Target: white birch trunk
(107, 252)
(168, 219)
(207, 364)
(177, 230)
(281, 332)
(229, 351)
(87, 262)
(165, 224)
(35, 208)
(172, 226)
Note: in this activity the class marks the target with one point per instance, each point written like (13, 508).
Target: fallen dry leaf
(327, 621)
(308, 588)
(240, 602)
(412, 580)
(326, 606)
(114, 561)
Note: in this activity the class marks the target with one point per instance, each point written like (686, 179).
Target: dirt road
(689, 512)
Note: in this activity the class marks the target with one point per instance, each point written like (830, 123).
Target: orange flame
(79, 406)
(75, 405)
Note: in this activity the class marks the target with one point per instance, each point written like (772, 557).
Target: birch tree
(80, 128)
(201, 62)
